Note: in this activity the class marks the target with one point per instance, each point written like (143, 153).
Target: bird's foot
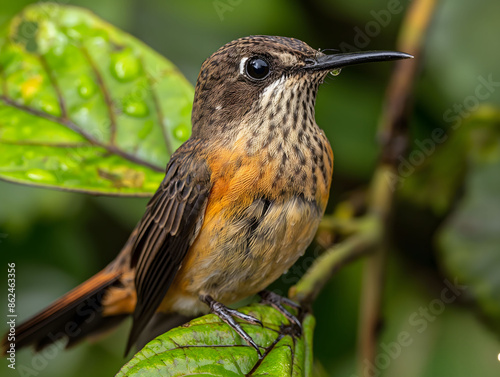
(277, 302)
(226, 315)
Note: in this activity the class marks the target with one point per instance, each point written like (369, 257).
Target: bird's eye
(257, 68)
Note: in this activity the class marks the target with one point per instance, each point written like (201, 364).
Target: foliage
(86, 107)
(207, 346)
(470, 238)
(447, 208)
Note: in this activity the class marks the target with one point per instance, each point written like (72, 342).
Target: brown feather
(44, 327)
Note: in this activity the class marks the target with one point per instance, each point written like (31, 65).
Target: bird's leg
(226, 315)
(277, 302)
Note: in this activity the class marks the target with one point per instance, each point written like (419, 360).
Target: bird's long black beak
(340, 60)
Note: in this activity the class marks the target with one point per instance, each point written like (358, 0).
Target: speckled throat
(283, 124)
(280, 131)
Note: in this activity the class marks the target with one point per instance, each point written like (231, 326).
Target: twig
(308, 288)
(371, 233)
(393, 134)
(345, 227)
(374, 270)
(393, 128)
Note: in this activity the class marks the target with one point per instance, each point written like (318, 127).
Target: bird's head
(262, 77)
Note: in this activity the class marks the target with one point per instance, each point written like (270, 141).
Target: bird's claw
(277, 302)
(226, 315)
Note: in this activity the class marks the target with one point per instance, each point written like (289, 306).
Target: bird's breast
(273, 164)
(237, 254)
(263, 211)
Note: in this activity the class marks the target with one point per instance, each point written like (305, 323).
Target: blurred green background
(58, 239)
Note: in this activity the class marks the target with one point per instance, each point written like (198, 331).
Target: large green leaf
(208, 347)
(470, 239)
(85, 106)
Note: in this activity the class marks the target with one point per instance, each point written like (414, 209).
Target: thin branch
(370, 321)
(344, 227)
(372, 234)
(311, 284)
(394, 124)
(374, 270)
(393, 134)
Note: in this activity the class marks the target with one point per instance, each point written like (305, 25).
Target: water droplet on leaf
(137, 109)
(40, 175)
(86, 87)
(70, 19)
(125, 66)
(48, 105)
(62, 166)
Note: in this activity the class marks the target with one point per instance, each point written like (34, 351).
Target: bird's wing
(170, 225)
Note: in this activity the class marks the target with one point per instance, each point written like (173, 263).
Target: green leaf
(86, 107)
(207, 346)
(470, 239)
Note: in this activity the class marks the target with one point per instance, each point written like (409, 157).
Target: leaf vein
(55, 85)
(110, 106)
(71, 125)
(159, 113)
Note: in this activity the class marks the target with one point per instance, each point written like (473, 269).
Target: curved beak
(335, 61)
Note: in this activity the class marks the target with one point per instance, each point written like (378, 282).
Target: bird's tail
(76, 315)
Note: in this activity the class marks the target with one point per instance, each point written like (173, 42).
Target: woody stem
(393, 135)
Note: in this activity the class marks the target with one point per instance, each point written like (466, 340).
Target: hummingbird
(241, 201)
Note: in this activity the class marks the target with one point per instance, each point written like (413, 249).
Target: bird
(240, 202)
